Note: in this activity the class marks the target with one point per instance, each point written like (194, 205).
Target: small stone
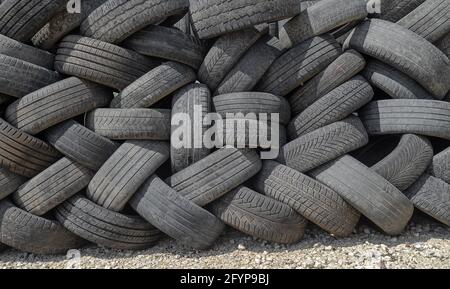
(241, 247)
(328, 248)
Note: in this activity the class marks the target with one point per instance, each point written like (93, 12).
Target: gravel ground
(425, 244)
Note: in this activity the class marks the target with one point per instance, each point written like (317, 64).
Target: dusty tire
(176, 216)
(395, 10)
(409, 53)
(251, 67)
(252, 102)
(309, 198)
(372, 195)
(167, 43)
(100, 62)
(104, 227)
(130, 124)
(9, 182)
(440, 166)
(432, 196)
(20, 20)
(393, 82)
(62, 24)
(154, 86)
(320, 18)
(52, 187)
(23, 154)
(404, 165)
(56, 103)
(26, 232)
(400, 116)
(215, 175)
(339, 71)
(80, 144)
(334, 106)
(184, 101)
(125, 171)
(212, 18)
(260, 216)
(323, 145)
(115, 20)
(16, 49)
(444, 44)
(431, 20)
(299, 64)
(19, 78)
(224, 54)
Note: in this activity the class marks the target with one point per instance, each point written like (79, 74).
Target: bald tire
(260, 216)
(29, 233)
(106, 228)
(372, 195)
(175, 215)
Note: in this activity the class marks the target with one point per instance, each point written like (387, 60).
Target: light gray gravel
(425, 244)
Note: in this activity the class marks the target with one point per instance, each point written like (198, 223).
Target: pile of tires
(88, 102)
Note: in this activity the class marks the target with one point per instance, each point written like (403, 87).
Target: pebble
(241, 247)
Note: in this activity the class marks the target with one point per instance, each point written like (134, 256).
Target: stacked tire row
(89, 104)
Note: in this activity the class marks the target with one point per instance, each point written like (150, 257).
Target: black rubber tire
(130, 124)
(372, 195)
(339, 71)
(104, 227)
(252, 102)
(23, 154)
(212, 18)
(16, 49)
(52, 187)
(9, 182)
(184, 101)
(116, 20)
(431, 20)
(154, 86)
(167, 43)
(334, 106)
(19, 78)
(260, 216)
(100, 62)
(400, 116)
(395, 10)
(251, 67)
(224, 54)
(404, 165)
(81, 144)
(20, 20)
(125, 171)
(432, 196)
(299, 65)
(175, 215)
(324, 144)
(393, 82)
(440, 166)
(444, 45)
(56, 103)
(314, 201)
(215, 175)
(3, 247)
(62, 24)
(321, 18)
(28, 233)
(405, 51)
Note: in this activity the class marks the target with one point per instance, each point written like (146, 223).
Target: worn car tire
(394, 10)
(440, 166)
(400, 116)
(372, 195)
(9, 182)
(52, 187)
(106, 228)
(125, 171)
(130, 124)
(175, 215)
(215, 175)
(56, 103)
(260, 216)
